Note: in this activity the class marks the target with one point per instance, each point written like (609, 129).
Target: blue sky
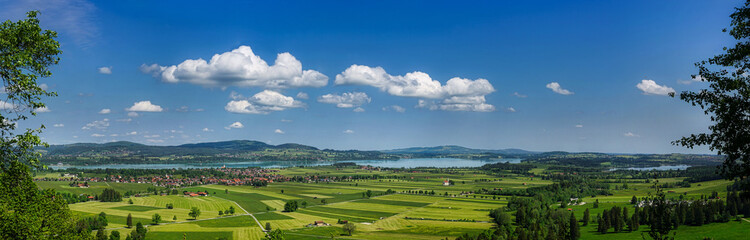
(537, 75)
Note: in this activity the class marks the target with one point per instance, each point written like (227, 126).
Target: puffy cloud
(97, 135)
(144, 106)
(303, 95)
(6, 105)
(396, 108)
(630, 134)
(279, 131)
(103, 124)
(42, 109)
(695, 78)
(359, 109)
(207, 130)
(421, 85)
(470, 103)
(234, 125)
(58, 125)
(105, 70)
(242, 68)
(105, 111)
(261, 103)
(348, 131)
(346, 100)
(649, 87)
(556, 88)
(414, 84)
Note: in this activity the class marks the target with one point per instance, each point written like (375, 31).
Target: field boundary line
(247, 213)
(235, 203)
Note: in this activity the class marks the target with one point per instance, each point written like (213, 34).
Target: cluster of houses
(234, 176)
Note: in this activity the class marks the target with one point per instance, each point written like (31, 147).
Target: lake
(398, 163)
(659, 168)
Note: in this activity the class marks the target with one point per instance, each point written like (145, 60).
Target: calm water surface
(659, 168)
(399, 163)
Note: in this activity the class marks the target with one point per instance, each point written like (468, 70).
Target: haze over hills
(454, 149)
(236, 146)
(248, 150)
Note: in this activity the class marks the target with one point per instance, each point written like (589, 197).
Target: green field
(396, 216)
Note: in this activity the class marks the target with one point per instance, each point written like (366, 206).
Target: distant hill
(453, 149)
(125, 147)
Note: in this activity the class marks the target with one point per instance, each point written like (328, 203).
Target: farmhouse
(446, 182)
(318, 224)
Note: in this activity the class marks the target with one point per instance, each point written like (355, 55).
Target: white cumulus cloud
(97, 135)
(558, 89)
(242, 68)
(103, 124)
(279, 131)
(694, 78)
(42, 109)
(6, 105)
(421, 85)
(105, 111)
(261, 103)
(303, 95)
(144, 106)
(234, 125)
(650, 87)
(105, 70)
(470, 103)
(348, 131)
(58, 125)
(207, 130)
(346, 100)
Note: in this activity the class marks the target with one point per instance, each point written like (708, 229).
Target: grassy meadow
(394, 216)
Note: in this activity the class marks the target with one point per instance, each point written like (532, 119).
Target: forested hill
(238, 150)
(130, 148)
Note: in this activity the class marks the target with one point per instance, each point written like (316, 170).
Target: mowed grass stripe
(336, 216)
(271, 216)
(248, 190)
(358, 213)
(204, 203)
(136, 208)
(394, 202)
(277, 204)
